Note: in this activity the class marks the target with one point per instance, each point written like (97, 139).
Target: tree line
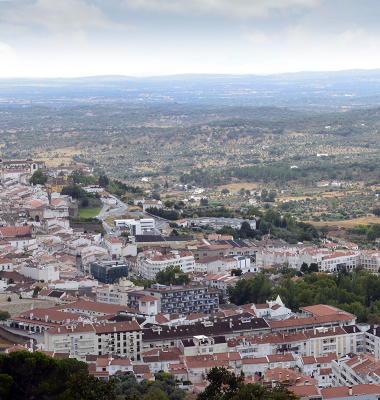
(357, 293)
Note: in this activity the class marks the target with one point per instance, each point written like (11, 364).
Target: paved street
(38, 336)
(122, 208)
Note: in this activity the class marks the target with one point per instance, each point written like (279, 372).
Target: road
(107, 211)
(38, 336)
(122, 208)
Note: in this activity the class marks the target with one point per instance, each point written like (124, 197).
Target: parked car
(31, 333)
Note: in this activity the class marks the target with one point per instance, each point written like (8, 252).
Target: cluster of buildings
(318, 353)
(89, 309)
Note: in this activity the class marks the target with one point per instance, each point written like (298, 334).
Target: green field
(89, 212)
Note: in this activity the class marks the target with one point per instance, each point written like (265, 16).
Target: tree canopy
(168, 276)
(225, 385)
(38, 178)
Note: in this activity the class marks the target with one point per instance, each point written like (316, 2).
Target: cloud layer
(159, 37)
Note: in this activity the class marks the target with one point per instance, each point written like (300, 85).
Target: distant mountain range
(309, 91)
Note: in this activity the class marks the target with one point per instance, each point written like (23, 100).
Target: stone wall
(17, 305)
(13, 337)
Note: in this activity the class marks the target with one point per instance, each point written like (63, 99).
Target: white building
(93, 189)
(137, 226)
(41, 272)
(113, 246)
(151, 262)
(6, 265)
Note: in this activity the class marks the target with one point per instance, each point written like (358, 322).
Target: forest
(357, 293)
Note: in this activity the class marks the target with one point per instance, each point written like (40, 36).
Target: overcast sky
(72, 38)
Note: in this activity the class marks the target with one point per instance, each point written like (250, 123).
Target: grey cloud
(241, 9)
(62, 14)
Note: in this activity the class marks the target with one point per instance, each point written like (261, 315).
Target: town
(130, 298)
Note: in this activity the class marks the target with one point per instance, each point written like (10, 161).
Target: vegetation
(38, 178)
(89, 212)
(172, 275)
(4, 315)
(167, 214)
(225, 385)
(357, 293)
(163, 388)
(83, 220)
(25, 375)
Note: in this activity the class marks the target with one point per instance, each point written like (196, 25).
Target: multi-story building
(28, 165)
(151, 262)
(117, 293)
(136, 226)
(108, 271)
(355, 370)
(80, 339)
(186, 299)
(113, 246)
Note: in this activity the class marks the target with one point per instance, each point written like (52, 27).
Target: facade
(28, 165)
(47, 273)
(108, 271)
(153, 261)
(113, 246)
(57, 184)
(137, 226)
(151, 203)
(6, 265)
(186, 299)
(84, 338)
(117, 294)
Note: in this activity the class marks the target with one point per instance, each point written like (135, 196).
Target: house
(151, 203)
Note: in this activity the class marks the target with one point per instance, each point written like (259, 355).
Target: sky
(75, 38)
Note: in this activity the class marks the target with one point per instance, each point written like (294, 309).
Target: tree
(103, 180)
(25, 375)
(376, 211)
(225, 191)
(373, 232)
(4, 315)
(83, 386)
(172, 275)
(304, 268)
(38, 178)
(36, 290)
(100, 230)
(11, 280)
(224, 385)
(313, 267)
(325, 230)
(204, 202)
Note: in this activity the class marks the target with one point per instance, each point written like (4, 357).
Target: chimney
(306, 382)
(279, 376)
(287, 377)
(114, 328)
(350, 390)
(31, 315)
(334, 329)
(59, 330)
(319, 389)
(273, 383)
(46, 318)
